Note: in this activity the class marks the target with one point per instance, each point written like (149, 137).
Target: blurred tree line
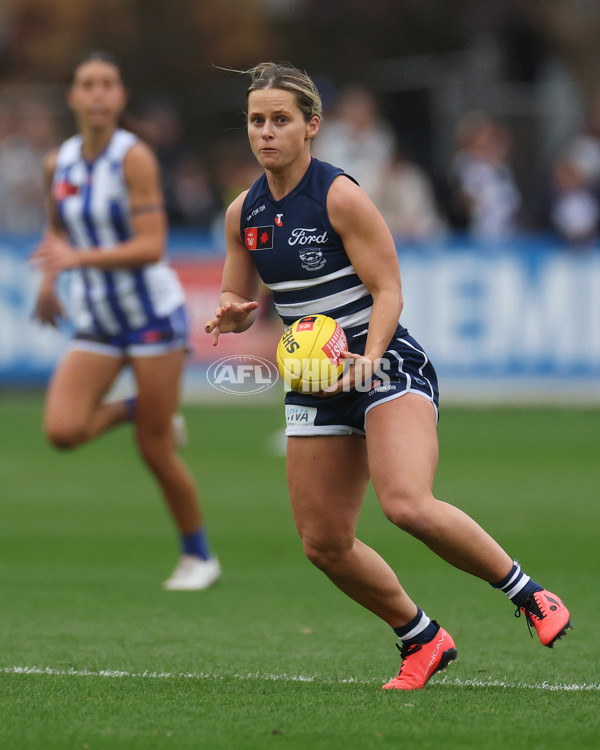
(428, 61)
(173, 46)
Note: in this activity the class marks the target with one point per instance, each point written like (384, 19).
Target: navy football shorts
(405, 369)
(162, 336)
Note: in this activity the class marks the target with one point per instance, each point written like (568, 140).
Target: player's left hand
(48, 309)
(54, 255)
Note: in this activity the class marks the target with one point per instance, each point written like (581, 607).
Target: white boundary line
(119, 673)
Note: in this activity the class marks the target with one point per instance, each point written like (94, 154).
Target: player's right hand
(229, 317)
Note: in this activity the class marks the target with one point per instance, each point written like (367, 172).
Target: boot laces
(407, 649)
(529, 605)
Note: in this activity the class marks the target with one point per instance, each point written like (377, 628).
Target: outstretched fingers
(228, 317)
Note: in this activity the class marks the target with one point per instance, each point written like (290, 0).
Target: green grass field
(95, 655)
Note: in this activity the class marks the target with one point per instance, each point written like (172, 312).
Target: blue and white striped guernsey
(301, 258)
(93, 206)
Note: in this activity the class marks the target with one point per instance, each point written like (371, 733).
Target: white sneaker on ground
(193, 574)
(180, 433)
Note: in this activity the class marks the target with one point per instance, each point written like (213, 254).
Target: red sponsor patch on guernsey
(64, 189)
(259, 238)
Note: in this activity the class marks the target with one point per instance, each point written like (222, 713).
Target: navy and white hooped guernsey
(93, 206)
(300, 257)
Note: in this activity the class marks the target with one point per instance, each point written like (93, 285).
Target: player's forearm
(387, 306)
(48, 281)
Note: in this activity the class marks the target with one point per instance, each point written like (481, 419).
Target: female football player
(387, 432)
(107, 227)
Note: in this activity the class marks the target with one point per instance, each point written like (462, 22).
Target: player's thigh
(402, 447)
(158, 382)
(78, 385)
(327, 480)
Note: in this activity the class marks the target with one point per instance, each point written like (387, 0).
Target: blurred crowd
(477, 194)
(27, 131)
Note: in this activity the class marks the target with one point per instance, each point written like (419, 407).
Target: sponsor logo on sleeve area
(259, 238)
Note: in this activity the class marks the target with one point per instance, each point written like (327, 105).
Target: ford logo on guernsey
(242, 375)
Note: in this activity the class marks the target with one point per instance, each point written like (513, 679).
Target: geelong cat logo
(312, 259)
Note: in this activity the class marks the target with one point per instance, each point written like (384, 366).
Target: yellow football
(308, 353)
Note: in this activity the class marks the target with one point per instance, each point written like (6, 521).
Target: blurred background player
(107, 226)
(573, 207)
(21, 151)
(358, 138)
(385, 433)
(485, 198)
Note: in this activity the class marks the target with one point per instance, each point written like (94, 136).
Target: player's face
(277, 130)
(97, 95)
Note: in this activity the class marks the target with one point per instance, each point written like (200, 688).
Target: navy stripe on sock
(419, 630)
(517, 585)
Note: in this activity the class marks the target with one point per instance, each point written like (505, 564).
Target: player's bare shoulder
(140, 152)
(141, 164)
(233, 219)
(49, 165)
(347, 203)
(233, 215)
(234, 209)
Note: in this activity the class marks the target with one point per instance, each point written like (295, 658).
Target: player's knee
(148, 451)
(65, 437)
(153, 447)
(326, 556)
(407, 511)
